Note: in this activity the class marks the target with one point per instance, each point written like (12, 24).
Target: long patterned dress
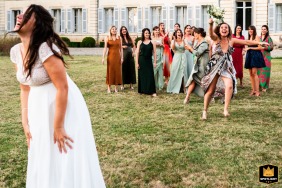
(238, 57)
(264, 73)
(114, 63)
(128, 65)
(201, 53)
(158, 70)
(177, 69)
(190, 63)
(146, 80)
(221, 64)
(167, 57)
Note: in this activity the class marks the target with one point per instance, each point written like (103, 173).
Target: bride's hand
(210, 21)
(62, 139)
(27, 135)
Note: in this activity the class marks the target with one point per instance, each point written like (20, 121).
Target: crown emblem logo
(268, 172)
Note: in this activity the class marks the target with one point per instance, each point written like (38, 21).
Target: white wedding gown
(47, 167)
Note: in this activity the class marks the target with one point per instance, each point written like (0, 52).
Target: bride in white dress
(55, 118)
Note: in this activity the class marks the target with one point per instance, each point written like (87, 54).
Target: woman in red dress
(167, 58)
(238, 53)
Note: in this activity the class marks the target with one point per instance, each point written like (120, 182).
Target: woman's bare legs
(208, 95)
(228, 94)
(109, 89)
(254, 81)
(189, 91)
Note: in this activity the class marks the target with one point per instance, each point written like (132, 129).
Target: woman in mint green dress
(188, 40)
(158, 70)
(178, 63)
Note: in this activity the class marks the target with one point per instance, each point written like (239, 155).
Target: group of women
(55, 118)
(207, 69)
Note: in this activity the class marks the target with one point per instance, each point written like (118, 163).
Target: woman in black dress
(128, 65)
(146, 48)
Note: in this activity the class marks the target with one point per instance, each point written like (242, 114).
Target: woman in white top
(55, 118)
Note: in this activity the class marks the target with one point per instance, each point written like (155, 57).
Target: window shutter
(116, 19)
(164, 15)
(9, 20)
(198, 16)
(101, 13)
(190, 16)
(146, 20)
(171, 18)
(70, 21)
(140, 25)
(124, 17)
(84, 20)
(271, 17)
(63, 21)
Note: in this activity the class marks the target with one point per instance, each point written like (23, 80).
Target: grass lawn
(158, 142)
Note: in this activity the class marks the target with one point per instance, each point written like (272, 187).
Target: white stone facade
(79, 18)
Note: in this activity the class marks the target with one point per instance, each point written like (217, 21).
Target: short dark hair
(177, 24)
(200, 31)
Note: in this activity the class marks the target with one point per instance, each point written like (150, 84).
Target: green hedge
(7, 43)
(88, 42)
(136, 40)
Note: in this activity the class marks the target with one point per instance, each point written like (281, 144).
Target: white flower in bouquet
(216, 13)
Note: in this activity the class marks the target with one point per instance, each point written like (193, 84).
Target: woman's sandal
(186, 100)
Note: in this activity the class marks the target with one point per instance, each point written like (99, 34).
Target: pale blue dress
(190, 61)
(177, 69)
(158, 70)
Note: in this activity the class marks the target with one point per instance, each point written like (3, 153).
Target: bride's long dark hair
(42, 32)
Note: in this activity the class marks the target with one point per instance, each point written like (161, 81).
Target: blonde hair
(110, 34)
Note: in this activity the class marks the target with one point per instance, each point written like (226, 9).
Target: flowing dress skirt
(47, 167)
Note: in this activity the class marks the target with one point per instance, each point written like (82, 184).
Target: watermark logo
(268, 174)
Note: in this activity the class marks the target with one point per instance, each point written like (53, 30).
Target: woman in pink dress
(167, 55)
(238, 53)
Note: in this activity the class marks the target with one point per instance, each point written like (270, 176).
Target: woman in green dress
(201, 53)
(178, 64)
(146, 48)
(264, 73)
(158, 70)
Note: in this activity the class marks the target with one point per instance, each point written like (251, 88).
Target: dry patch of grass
(158, 142)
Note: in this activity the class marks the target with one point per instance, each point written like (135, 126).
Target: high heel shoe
(186, 100)
(204, 115)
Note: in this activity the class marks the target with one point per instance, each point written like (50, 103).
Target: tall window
(12, 19)
(244, 14)
(205, 17)
(132, 20)
(278, 17)
(181, 16)
(56, 13)
(156, 15)
(109, 18)
(77, 12)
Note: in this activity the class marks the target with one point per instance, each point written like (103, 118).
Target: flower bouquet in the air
(216, 13)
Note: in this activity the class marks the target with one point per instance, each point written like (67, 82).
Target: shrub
(102, 44)
(66, 40)
(7, 43)
(75, 44)
(88, 42)
(136, 40)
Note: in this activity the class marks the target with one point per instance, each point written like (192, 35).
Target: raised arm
(172, 46)
(105, 49)
(213, 36)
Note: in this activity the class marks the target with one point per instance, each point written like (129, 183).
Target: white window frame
(155, 16)
(57, 23)
(132, 20)
(278, 15)
(181, 15)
